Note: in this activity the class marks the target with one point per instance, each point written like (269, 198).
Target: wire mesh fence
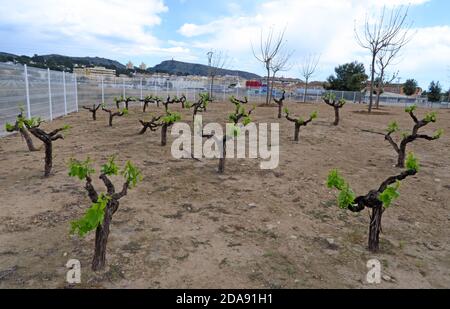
(51, 94)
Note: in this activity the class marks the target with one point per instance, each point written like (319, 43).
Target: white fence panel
(51, 94)
(45, 94)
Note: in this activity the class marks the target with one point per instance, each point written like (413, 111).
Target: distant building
(253, 84)
(95, 71)
(396, 89)
(130, 65)
(143, 66)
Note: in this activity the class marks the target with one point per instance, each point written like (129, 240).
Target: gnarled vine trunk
(336, 116)
(101, 239)
(297, 132)
(401, 156)
(27, 139)
(47, 139)
(164, 135)
(223, 156)
(102, 231)
(375, 228)
(48, 158)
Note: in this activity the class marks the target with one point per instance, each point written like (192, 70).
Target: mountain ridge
(61, 62)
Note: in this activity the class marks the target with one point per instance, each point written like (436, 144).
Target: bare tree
(217, 60)
(384, 59)
(390, 31)
(269, 48)
(307, 70)
(279, 64)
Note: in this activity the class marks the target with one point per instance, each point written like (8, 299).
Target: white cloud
(116, 26)
(325, 27)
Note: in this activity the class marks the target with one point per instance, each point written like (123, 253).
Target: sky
(151, 31)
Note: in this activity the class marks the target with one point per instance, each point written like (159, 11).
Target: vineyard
(102, 186)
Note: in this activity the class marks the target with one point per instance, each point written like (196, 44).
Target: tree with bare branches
(279, 64)
(217, 60)
(307, 70)
(268, 50)
(390, 31)
(384, 59)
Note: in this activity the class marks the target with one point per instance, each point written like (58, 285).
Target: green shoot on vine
(110, 168)
(132, 174)
(438, 134)
(411, 108)
(80, 169)
(389, 195)
(393, 127)
(171, 118)
(92, 219)
(346, 196)
(412, 163)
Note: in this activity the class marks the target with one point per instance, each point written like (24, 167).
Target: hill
(60, 63)
(185, 68)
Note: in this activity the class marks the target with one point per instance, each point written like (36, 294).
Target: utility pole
(210, 55)
(398, 84)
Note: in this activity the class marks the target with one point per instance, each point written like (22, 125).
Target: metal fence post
(103, 92)
(141, 91)
(65, 94)
(123, 86)
(27, 91)
(76, 92)
(50, 95)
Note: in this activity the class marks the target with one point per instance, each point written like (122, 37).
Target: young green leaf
(411, 108)
(247, 120)
(335, 180)
(110, 168)
(438, 134)
(346, 197)
(431, 117)
(9, 127)
(412, 163)
(313, 115)
(93, 217)
(329, 96)
(389, 195)
(171, 118)
(79, 169)
(393, 127)
(131, 174)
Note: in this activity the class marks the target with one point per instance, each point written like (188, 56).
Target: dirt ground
(186, 226)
